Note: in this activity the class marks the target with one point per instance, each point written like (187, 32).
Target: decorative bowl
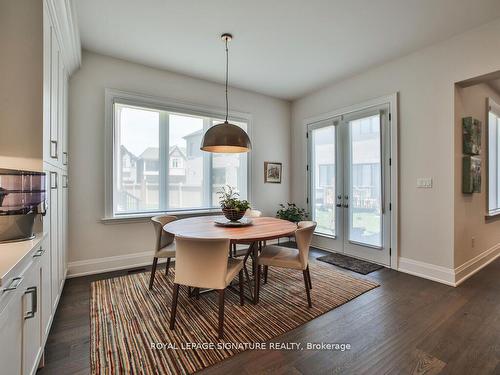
(232, 214)
(223, 222)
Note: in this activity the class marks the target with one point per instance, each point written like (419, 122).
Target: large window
(158, 165)
(493, 158)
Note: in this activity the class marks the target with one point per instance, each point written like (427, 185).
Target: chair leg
(221, 313)
(240, 279)
(306, 283)
(167, 266)
(257, 289)
(173, 312)
(309, 277)
(266, 268)
(234, 250)
(197, 293)
(248, 281)
(153, 270)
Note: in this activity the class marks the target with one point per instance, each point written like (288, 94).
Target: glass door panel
(349, 178)
(365, 185)
(323, 179)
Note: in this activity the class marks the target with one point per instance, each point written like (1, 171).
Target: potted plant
(232, 207)
(291, 213)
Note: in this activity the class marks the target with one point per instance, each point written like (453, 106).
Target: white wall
(90, 239)
(425, 81)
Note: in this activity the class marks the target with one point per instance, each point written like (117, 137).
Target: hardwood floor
(406, 326)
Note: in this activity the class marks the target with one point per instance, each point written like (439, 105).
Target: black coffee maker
(22, 198)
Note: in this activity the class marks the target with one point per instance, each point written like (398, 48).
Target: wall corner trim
(474, 265)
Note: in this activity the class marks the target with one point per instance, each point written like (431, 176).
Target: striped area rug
(127, 319)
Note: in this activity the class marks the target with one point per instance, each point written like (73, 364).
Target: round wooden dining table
(261, 229)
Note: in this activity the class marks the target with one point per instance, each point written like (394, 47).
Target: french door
(349, 183)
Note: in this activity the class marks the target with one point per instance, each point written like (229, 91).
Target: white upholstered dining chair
(164, 245)
(204, 263)
(285, 257)
(253, 213)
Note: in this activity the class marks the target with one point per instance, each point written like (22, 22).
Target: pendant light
(226, 137)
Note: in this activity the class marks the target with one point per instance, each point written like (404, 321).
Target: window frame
(492, 106)
(113, 96)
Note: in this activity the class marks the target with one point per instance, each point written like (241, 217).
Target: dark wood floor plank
(407, 325)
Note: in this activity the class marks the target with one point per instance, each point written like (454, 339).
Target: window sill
(143, 218)
(493, 214)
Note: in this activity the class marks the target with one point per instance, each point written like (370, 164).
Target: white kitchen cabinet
(45, 291)
(55, 63)
(65, 224)
(65, 125)
(31, 318)
(51, 225)
(22, 301)
(11, 327)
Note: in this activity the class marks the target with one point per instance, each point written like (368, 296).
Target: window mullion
(207, 169)
(163, 162)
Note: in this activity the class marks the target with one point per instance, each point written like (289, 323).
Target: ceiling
(282, 48)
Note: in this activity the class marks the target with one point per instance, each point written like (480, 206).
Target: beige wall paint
(470, 209)
(21, 80)
(88, 237)
(425, 81)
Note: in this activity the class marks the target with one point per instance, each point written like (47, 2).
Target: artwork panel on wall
(471, 131)
(471, 174)
(272, 172)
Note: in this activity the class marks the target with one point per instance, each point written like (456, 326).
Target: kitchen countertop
(14, 252)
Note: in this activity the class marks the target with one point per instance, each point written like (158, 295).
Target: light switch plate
(424, 182)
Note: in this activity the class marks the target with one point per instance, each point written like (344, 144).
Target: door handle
(39, 253)
(339, 204)
(346, 205)
(16, 281)
(53, 155)
(53, 185)
(33, 291)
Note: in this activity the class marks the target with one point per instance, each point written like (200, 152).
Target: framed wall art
(272, 172)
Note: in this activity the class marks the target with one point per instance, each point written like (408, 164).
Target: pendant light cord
(227, 69)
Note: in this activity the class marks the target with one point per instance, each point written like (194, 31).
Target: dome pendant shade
(226, 138)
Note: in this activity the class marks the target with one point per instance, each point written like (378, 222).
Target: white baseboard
(107, 264)
(427, 271)
(449, 276)
(115, 263)
(475, 264)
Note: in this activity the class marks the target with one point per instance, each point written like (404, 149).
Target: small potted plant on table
(291, 213)
(232, 207)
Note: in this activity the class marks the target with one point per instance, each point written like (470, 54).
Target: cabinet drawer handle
(53, 185)
(39, 253)
(34, 302)
(65, 158)
(65, 181)
(14, 284)
(53, 155)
